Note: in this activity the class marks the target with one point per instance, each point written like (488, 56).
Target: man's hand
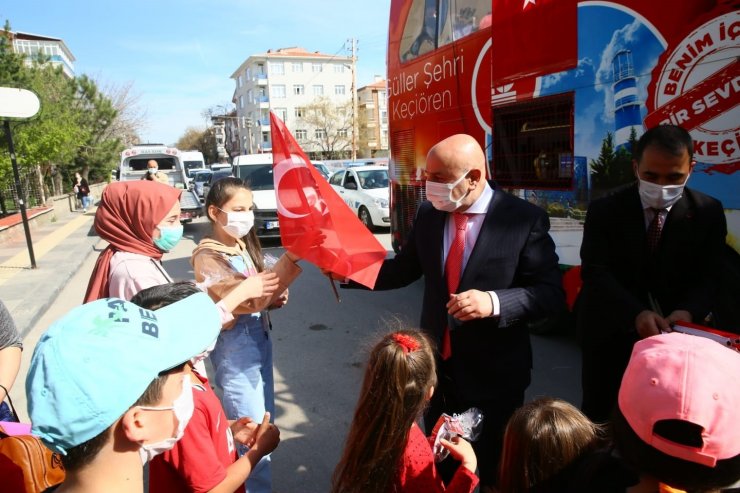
(244, 431)
(470, 305)
(649, 323)
(679, 315)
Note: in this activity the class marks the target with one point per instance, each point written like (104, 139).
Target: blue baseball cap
(91, 366)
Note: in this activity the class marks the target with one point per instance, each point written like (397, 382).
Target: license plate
(271, 224)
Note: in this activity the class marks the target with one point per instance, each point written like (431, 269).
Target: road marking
(21, 261)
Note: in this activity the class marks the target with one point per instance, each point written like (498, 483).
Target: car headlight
(383, 203)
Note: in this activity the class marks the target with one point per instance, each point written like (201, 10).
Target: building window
(300, 112)
(384, 116)
(339, 90)
(320, 133)
(281, 113)
(248, 73)
(316, 67)
(533, 143)
(278, 91)
(250, 100)
(301, 134)
(338, 68)
(299, 90)
(318, 90)
(297, 67)
(342, 132)
(241, 101)
(277, 68)
(239, 81)
(265, 137)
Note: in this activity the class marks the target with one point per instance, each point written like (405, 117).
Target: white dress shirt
(476, 214)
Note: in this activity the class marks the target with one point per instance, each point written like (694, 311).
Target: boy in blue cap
(108, 387)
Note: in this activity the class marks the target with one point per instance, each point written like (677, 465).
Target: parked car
(256, 171)
(215, 176)
(365, 190)
(199, 179)
(321, 167)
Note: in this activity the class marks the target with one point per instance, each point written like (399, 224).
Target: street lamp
(18, 104)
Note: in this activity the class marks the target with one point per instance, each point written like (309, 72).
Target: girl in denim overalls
(242, 357)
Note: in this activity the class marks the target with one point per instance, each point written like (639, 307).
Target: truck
(169, 161)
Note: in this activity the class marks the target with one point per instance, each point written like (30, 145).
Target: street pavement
(319, 345)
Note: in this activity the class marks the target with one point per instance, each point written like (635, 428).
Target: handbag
(26, 464)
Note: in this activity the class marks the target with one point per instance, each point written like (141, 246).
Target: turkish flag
(533, 38)
(315, 223)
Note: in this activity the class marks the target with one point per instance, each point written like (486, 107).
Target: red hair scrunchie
(407, 342)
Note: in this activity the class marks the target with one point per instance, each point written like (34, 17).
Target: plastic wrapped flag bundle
(467, 425)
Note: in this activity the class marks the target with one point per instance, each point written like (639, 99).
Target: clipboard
(727, 339)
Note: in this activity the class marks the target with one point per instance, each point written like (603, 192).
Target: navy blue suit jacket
(514, 256)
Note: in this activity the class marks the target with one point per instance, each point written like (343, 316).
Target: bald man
(153, 173)
(476, 311)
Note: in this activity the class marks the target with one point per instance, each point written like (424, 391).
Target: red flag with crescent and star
(533, 38)
(315, 223)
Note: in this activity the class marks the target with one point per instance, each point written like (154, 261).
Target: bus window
(470, 16)
(422, 26)
(533, 143)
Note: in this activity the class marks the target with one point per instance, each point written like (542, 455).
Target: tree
(613, 168)
(203, 140)
(328, 128)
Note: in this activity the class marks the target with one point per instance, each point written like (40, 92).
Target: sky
(180, 54)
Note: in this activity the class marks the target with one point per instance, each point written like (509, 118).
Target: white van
(256, 171)
(192, 161)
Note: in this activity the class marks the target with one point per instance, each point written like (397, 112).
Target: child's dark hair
(399, 374)
(156, 297)
(220, 193)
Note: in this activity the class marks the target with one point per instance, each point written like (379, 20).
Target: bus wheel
(364, 215)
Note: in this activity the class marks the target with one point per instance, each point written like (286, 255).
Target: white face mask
(440, 194)
(153, 171)
(238, 224)
(183, 408)
(660, 196)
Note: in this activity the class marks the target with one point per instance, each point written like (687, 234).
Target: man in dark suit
(649, 256)
(506, 274)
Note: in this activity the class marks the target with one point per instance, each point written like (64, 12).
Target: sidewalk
(60, 248)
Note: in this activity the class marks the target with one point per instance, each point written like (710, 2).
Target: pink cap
(683, 377)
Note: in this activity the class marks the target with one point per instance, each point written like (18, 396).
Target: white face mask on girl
(440, 194)
(183, 408)
(238, 224)
(660, 196)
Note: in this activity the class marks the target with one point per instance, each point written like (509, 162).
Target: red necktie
(453, 271)
(655, 228)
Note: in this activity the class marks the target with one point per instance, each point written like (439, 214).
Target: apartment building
(286, 81)
(373, 121)
(31, 45)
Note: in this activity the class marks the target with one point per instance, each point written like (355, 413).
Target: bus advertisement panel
(561, 139)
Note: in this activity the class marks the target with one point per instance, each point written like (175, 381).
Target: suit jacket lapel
(436, 232)
(491, 233)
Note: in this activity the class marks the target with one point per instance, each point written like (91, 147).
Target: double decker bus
(557, 91)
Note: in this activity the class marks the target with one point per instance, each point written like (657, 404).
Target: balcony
(261, 79)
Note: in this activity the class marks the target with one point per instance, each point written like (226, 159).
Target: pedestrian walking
(82, 191)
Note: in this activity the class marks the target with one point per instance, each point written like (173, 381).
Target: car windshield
(257, 176)
(373, 179)
(222, 173)
(202, 177)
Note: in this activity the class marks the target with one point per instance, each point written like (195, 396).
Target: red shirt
(199, 460)
(418, 473)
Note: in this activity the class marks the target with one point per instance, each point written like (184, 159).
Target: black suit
(491, 358)
(619, 271)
